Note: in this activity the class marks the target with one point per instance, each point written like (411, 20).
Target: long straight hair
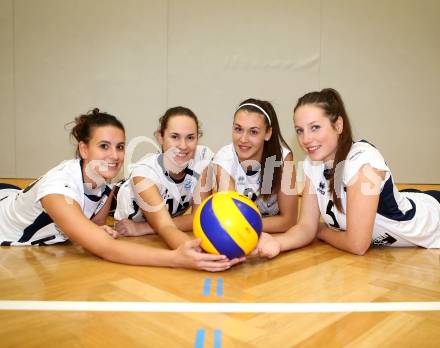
(330, 101)
(272, 147)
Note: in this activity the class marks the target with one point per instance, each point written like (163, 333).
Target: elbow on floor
(360, 250)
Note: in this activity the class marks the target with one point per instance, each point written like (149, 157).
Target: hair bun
(95, 111)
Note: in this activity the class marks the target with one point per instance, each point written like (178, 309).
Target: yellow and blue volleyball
(228, 223)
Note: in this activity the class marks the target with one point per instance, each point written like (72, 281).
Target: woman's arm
(155, 212)
(300, 234)
(101, 218)
(126, 227)
(202, 190)
(68, 216)
(362, 201)
(287, 201)
(223, 180)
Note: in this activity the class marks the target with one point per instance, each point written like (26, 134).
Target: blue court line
(207, 287)
(219, 287)
(200, 338)
(217, 339)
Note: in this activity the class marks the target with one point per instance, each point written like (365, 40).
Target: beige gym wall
(135, 58)
(7, 114)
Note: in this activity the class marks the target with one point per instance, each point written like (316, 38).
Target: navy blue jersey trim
(41, 221)
(96, 198)
(433, 193)
(367, 142)
(388, 206)
(42, 241)
(9, 186)
(187, 171)
(107, 191)
(93, 198)
(31, 185)
(136, 209)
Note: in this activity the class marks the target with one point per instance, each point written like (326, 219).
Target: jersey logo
(187, 184)
(271, 204)
(181, 206)
(321, 188)
(385, 239)
(249, 193)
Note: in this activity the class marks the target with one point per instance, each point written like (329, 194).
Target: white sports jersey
(402, 218)
(23, 220)
(247, 183)
(177, 195)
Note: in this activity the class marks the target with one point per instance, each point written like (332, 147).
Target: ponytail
(331, 102)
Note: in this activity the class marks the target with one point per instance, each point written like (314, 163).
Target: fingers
(237, 260)
(110, 231)
(269, 253)
(211, 257)
(193, 243)
(122, 227)
(216, 266)
(219, 263)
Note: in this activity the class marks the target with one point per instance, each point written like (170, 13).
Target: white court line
(197, 307)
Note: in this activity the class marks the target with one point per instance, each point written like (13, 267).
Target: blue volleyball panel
(214, 231)
(251, 216)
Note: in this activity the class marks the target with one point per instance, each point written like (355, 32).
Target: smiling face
(249, 132)
(103, 155)
(179, 142)
(316, 134)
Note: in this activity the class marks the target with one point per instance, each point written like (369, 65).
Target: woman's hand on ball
(189, 255)
(268, 246)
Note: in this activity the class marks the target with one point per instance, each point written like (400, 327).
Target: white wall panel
(221, 53)
(384, 57)
(74, 55)
(135, 58)
(7, 117)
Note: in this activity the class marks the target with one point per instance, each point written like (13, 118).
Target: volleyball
(228, 223)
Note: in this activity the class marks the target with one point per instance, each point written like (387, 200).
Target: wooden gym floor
(313, 297)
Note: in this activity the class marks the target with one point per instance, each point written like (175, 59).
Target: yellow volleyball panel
(234, 221)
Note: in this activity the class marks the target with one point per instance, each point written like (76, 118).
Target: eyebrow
(175, 133)
(238, 124)
(308, 124)
(109, 142)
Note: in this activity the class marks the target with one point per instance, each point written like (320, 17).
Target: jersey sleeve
(124, 199)
(285, 152)
(224, 158)
(59, 183)
(310, 171)
(146, 171)
(202, 159)
(360, 155)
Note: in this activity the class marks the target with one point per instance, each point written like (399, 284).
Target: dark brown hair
(86, 123)
(272, 147)
(177, 111)
(330, 101)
